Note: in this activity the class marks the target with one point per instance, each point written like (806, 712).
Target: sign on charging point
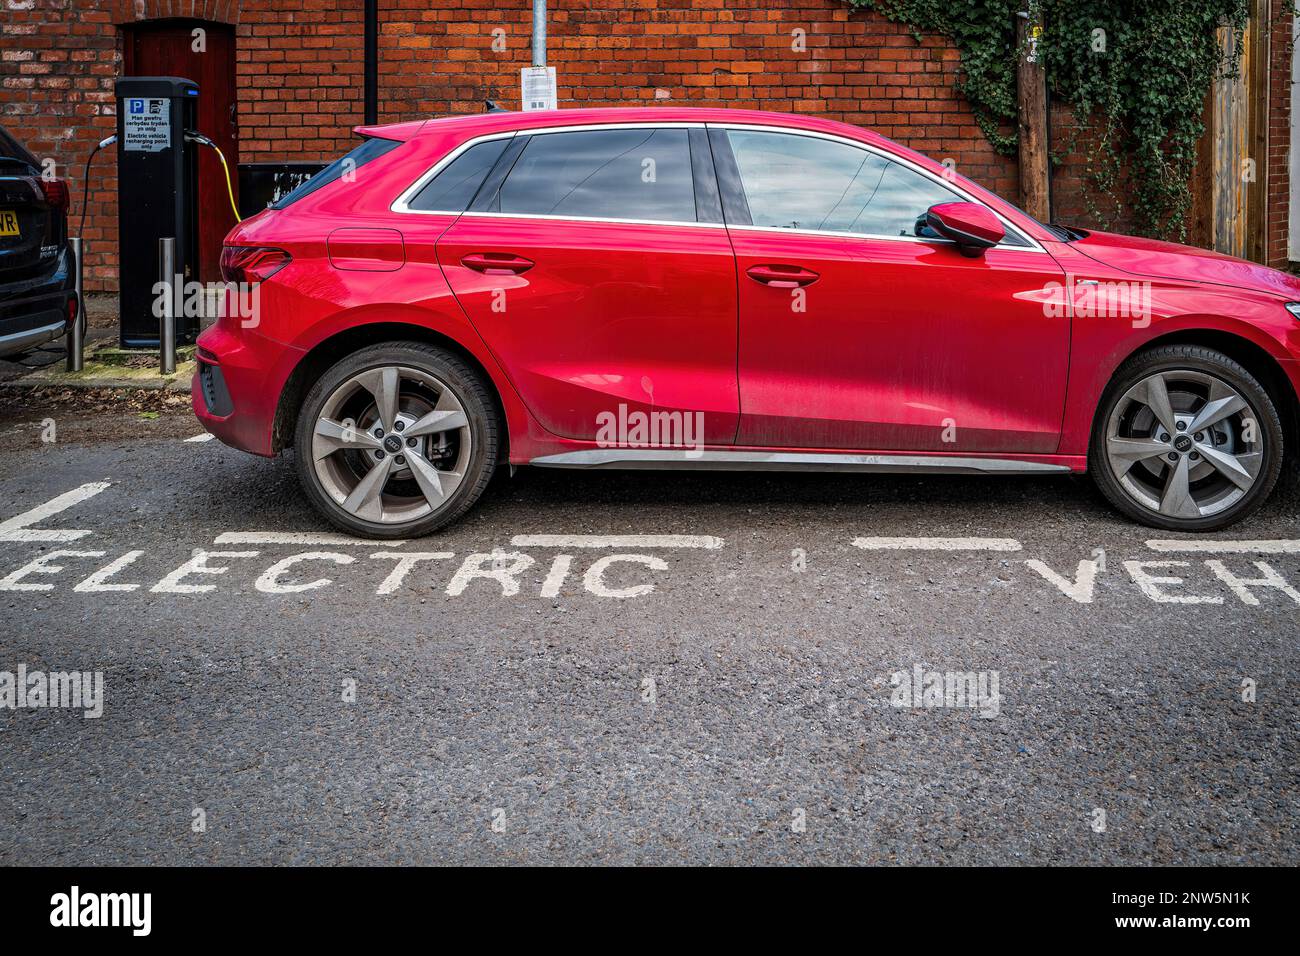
(537, 88)
(147, 125)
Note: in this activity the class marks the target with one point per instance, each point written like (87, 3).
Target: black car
(37, 274)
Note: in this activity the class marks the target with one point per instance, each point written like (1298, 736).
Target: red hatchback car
(681, 288)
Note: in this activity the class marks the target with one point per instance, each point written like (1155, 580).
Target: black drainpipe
(371, 91)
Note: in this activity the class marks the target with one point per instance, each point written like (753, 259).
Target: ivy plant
(1134, 72)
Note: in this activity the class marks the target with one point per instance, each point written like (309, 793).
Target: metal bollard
(167, 322)
(76, 335)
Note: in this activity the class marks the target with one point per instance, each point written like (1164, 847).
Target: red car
(683, 288)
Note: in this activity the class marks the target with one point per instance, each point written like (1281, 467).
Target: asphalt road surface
(629, 667)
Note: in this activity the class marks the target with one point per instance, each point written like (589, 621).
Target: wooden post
(1031, 82)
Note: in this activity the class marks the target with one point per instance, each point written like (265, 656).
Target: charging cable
(85, 182)
(202, 140)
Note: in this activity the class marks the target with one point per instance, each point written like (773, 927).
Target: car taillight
(251, 263)
(56, 193)
(72, 311)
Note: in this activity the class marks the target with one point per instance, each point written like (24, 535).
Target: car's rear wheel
(1186, 439)
(396, 440)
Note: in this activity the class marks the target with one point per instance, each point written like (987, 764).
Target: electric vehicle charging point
(157, 199)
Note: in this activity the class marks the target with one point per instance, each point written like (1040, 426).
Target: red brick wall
(299, 75)
(1281, 47)
(299, 69)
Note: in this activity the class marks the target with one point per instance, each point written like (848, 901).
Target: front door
(855, 333)
(607, 293)
(205, 53)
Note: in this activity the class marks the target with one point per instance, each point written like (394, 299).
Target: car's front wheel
(396, 440)
(1186, 439)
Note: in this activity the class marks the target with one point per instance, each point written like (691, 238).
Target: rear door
(31, 230)
(595, 265)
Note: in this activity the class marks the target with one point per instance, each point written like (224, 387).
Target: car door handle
(782, 276)
(496, 263)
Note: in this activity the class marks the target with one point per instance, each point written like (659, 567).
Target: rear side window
(455, 185)
(367, 152)
(602, 174)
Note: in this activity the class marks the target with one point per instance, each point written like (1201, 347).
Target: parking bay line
(202, 436)
(937, 544)
(18, 527)
(708, 542)
(297, 537)
(1275, 546)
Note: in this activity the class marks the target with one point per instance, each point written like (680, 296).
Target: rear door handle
(782, 276)
(496, 263)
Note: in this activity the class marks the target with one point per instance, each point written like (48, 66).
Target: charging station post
(157, 199)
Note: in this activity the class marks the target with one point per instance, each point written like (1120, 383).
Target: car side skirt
(681, 458)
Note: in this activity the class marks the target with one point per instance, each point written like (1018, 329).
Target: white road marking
(616, 541)
(1081, 589)
(294, 537)
(937, 544)
(19, 528)
(1201, 546)
(205, 436)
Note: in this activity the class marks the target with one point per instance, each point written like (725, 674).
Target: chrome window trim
(402, 203)
(962, 195)
(599, 219)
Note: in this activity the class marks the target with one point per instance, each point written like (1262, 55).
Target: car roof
(465, 127)
(477, 124)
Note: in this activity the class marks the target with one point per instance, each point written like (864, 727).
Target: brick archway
(214, 11)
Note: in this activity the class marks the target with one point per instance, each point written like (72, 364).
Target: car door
(595, 265)
(856, 333)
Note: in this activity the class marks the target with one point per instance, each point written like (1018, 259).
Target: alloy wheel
(391, 444)
(1184, 444)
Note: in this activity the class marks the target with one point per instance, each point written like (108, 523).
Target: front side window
(602, 174)
(802, 182)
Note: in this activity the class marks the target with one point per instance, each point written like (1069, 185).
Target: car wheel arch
(329, 350)
(1252, 356)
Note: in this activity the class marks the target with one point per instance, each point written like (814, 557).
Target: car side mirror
(971, 226)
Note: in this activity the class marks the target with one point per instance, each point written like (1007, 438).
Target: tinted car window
(453, 188)
(368, 151)
(607, 174)
(800, 182)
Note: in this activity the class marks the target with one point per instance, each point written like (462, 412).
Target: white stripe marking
(1275, 546)
(616, 541)
(205, 436)
(18, 528)
(937, 544)
(293, 537)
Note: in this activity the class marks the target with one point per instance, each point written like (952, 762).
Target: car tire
(1202, 479)
(396, 440)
